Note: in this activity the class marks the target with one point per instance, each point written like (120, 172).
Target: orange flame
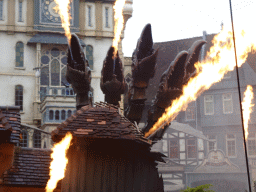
(63, 7)
(219, 60)
(59, 162)
(119, 23)
(247, 108)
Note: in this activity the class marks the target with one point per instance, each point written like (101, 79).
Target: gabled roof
(102, 121)
(30, 168)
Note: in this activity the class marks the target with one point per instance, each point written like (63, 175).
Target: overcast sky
(179, 19)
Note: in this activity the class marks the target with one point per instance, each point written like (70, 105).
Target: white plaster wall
(7, 53)
(11, 76)
(7, 94)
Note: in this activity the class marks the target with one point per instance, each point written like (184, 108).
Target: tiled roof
(102, 121)
(30, 168)
(10, 120)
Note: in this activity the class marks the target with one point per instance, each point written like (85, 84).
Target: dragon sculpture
(106, 145)
(144, 60)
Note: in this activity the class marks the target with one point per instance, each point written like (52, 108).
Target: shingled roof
(30, 168)
(10, 124)
(102, 121)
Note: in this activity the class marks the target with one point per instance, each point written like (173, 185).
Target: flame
(59, 162)
(119, 23)
(219, 60)
(247, 108)
(63, 7)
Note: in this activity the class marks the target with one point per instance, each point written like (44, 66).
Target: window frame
(187, 148)
(178, 148)
(248, 146)
(231, 139)
(212, 140)
(223, 103)
(20, 10)
(37, 141)
(21, 56)
(186, 112)
(17, 94)
(212, 113)
(1, 10)
(21, 144)
(89, 53)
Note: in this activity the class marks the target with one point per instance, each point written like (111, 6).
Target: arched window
(24, 139)
(19, 54)
(63, 115)
(69, 113)
(89, 55)
(19, 96)
(37, 139)
(57, 115)
(51, 115)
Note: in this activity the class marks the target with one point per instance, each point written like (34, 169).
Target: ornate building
(34, 56)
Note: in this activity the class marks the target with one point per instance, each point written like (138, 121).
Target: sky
(181, 19)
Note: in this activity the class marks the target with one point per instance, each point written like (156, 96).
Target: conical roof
(102, 121)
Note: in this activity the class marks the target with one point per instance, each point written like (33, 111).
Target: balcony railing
(56, 91)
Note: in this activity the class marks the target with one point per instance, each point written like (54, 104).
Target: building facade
(34, 57)
(204, 144)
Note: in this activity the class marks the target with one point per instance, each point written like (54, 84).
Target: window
(212, 143)
(251, 144)
(107, 16)
(63, 115)
(20, 11)
(90, 16)
(24, 139)
(51, 115)
(19, 96)
(89, 55)
(191, 111)
(174, 148)
(1, 9)
(53, 71)
(231, 145)
(191, 148)
(208, 105)
(37, 139)
(69, 113)
(19, 54)
(57, 115)
(227, 103)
